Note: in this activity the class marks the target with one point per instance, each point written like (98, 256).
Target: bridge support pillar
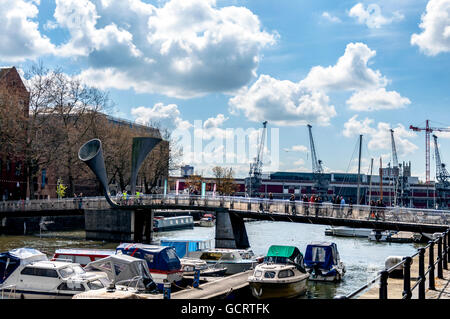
(230, 231)
(119, 225)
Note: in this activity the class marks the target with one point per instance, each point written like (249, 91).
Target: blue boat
(162, 261)
(323, 263)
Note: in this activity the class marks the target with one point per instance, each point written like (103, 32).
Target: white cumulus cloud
(375, 100)
(372, 16)
(379, 135)
(181, 49)
(20, 37)
(435, 25)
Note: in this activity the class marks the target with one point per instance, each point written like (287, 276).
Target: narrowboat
(323, 262)
(282, 274)
(172, 223)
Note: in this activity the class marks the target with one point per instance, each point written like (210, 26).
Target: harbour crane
(317, 169)
(442, 177)
(254, 181)
(428, 130)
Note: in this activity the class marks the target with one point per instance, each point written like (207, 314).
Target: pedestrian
(75, 200)
(305, 205)
(292, 200)
(80, 201)
(371, 209)
(342, 206)
(261, 205)
(350, 208)
(318, 203)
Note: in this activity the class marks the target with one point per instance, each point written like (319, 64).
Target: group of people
(123, 198)
(376, 210)
(312, 202)
(78, 200)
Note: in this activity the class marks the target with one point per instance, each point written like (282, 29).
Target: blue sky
(346, 67)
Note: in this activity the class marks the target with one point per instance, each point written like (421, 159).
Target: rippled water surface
(363, 258)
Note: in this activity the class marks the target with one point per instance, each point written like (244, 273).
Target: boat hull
(235, 268)
(262, 290)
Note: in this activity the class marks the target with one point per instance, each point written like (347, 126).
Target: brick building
(12, 169)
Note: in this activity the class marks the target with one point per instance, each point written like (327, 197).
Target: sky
(211, 71)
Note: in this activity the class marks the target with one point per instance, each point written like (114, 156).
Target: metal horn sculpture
(92, 155)
(142, 146)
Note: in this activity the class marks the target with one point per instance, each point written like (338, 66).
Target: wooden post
(383, 284)
(440, 273)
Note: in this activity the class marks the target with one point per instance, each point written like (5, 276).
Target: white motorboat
(126, 271)
(381, 235)
(206, 222)
(28, 274)
(235, 260)
(348, 232)
(323, 262)
(190, 265)
(281, 275)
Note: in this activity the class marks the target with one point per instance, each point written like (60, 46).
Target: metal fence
(244, 204)
(435, 264)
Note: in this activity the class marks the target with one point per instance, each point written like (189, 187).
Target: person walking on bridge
(292, 204)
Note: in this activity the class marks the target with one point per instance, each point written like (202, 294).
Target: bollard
(383, 284)
(407, 278)
(440, 273)
(422, 273)
(196, 282)
(166, 291)
(431, 266)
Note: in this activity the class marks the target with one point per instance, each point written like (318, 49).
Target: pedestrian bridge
(396, 218)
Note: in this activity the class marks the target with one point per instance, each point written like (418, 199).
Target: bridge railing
(436, 264)
(245, 204)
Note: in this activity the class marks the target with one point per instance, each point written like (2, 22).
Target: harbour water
(363, 258)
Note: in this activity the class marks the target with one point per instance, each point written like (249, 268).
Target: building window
(8, 165)
(18, 168)
(1, 166)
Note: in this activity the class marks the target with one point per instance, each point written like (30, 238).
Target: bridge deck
(359, 216)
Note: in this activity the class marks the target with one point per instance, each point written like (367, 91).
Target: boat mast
(370, 183)
(359, 170)
(381, 179)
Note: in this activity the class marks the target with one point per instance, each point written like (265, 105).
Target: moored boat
(348, 232)
(234, 260)
(28, 274)
(281, 275)
(323, 262)
(162, 261)
(172, 223)
(80, 255)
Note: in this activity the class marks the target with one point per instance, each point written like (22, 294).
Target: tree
(194, 183)
(224, 178)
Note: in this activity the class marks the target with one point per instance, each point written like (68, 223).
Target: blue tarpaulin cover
(322, 254)
(158, 257)
(183, 246)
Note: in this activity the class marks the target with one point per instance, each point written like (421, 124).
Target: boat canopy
(159, 258)
(284, 254)
(9, 261)
(184, 246)
(323, 254)
(122, 268)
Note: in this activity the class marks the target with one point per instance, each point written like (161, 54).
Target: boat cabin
(125, 270)
(278, 254)
(162, 261)
(323, 255)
